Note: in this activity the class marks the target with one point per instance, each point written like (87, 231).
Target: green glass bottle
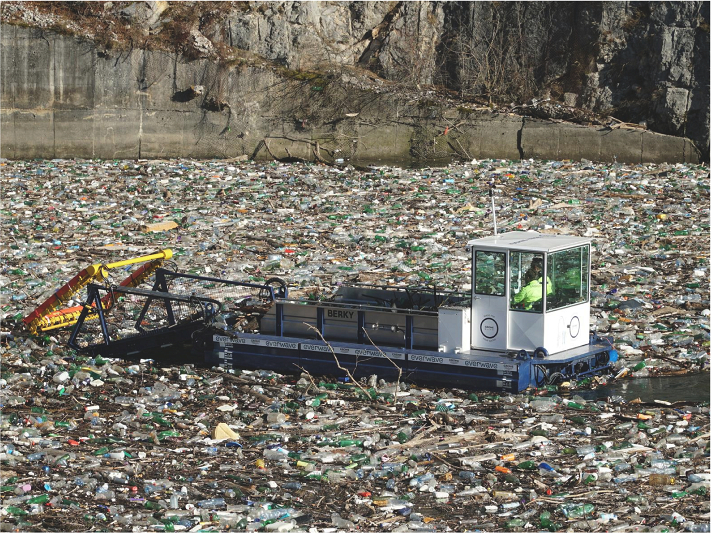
(42, 498)
(527, 465)
(349, 442)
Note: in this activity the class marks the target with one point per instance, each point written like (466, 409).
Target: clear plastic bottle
(625, 479)
(118, 477)
(340, 522)
(274, 514)
(275, 455)
(650, 471)
(622, 467)
(467, 475)
(421, 480)
(276, 418)
(585, 450)
(212, 503)
(508, 506)
(334, 476)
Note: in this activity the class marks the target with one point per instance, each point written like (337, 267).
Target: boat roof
(528, 241)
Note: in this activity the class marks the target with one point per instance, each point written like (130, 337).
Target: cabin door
(489, 300)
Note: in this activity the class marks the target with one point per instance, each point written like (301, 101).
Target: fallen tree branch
(311, 379)
(338, 363)
(248, 390)
(399, 370)
(463, 150)
(317, 153)
(268, 150)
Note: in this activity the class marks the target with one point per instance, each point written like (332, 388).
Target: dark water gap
(688, 388)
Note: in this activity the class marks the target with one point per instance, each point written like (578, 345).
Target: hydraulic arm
(48, 315)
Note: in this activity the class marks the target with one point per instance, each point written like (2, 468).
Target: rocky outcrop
(63, 98)
(641, 62)
(644, 64)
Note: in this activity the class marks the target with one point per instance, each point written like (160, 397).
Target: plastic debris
(223, 431)
(107, 444)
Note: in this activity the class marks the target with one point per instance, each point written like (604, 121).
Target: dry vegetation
(103, 23)
(113, 29)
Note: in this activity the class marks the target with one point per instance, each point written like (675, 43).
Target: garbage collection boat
(525, 322)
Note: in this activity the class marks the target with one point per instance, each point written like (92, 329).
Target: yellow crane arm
(46, 316)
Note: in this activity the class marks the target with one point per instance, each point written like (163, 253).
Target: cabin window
(490, 273)
(568, 271)
(526, 282)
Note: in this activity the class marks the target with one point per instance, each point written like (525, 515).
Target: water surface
(690, 388)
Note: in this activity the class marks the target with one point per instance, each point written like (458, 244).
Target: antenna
(493, 207)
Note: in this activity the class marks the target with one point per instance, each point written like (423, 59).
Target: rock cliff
(322, 73)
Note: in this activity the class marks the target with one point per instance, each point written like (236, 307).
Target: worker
(532, 291)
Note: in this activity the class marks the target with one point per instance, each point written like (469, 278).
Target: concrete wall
(61, 98)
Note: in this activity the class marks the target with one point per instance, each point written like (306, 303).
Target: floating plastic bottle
(527, 465)
(258, 224)
(576, 510)
(212, 503)
(585, 450)
(421, 480)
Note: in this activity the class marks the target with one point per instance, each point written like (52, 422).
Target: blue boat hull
(472, 370)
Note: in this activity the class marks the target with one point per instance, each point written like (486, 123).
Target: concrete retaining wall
(61, 98)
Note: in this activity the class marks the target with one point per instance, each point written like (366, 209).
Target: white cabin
(506, 316)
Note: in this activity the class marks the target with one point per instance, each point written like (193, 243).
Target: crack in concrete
(519, 138)
(687, 106)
